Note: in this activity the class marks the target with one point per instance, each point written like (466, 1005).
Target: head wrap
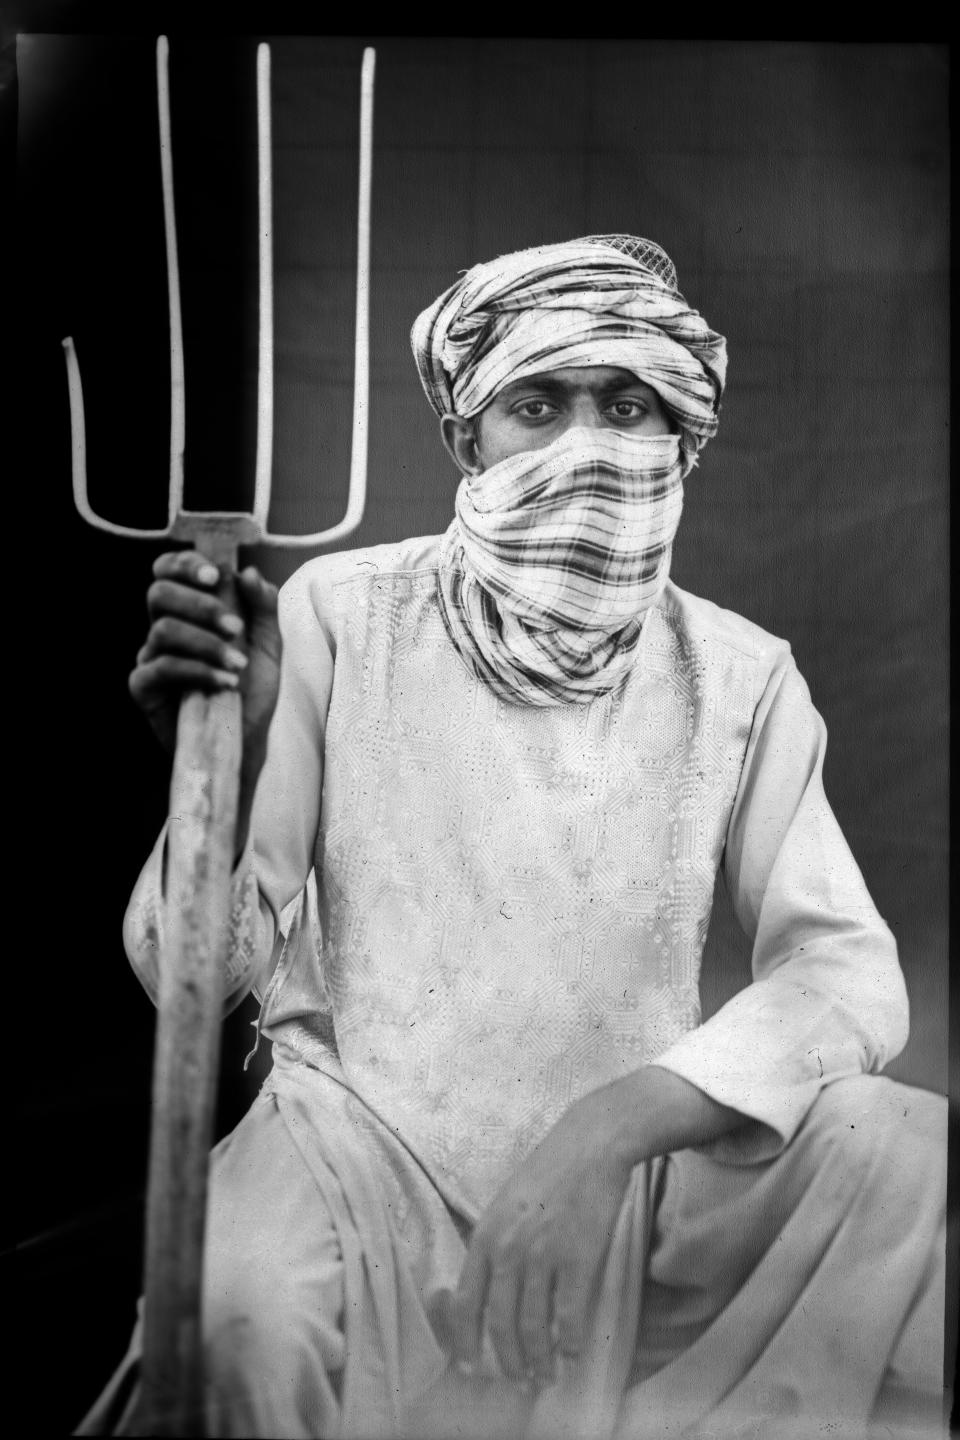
(600, 300)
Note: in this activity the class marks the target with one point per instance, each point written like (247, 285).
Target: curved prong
(357, 494)
(78, 445)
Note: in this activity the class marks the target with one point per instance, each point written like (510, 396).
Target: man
(476, 856)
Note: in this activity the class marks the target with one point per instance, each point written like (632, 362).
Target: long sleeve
(828, 998)
(273, 869)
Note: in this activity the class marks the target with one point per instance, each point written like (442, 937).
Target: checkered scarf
(604, 300)
(553, 559)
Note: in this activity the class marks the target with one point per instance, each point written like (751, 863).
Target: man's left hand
(536, 1255)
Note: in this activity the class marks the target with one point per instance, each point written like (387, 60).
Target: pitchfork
(203, 795)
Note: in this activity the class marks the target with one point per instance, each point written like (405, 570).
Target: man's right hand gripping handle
(204, 635)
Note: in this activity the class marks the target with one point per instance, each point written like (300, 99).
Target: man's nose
(586, 413)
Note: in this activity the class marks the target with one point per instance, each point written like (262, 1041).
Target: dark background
(801, 189)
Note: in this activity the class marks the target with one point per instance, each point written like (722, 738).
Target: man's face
(530, 414)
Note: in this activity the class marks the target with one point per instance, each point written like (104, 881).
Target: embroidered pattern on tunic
(513, 902)
(144, 929)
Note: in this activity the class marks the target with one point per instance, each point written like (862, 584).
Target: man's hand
(536, 1256)
(208, 634)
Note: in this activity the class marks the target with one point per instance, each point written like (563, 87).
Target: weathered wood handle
(203, 811)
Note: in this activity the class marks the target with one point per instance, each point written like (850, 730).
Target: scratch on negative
(816, 1051)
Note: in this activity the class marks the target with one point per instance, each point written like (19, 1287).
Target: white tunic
(513, 901)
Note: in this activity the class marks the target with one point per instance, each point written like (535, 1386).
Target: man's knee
(271, 1289)
(876, 1126)
(884, 1108)
(261, 1319)
(273, 1281)
(243, 1300)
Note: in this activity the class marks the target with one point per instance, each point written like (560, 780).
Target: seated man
(501, 1180)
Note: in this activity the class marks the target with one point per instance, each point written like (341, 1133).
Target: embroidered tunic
(511, 903)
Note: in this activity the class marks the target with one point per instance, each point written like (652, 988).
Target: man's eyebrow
(536, 382)
(629, 382)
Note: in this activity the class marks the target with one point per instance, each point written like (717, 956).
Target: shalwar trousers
(796, 1298)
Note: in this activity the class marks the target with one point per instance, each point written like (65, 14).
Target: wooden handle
(203, 812)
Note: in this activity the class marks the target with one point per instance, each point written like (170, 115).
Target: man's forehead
(576, 377)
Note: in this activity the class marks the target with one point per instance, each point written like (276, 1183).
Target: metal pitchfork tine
(251, 528)
(203, 797)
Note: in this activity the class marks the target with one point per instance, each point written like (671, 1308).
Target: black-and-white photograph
(485, 512)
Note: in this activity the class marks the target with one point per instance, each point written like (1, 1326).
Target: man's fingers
(503, 1298)
(465, 1311)
(184, 586)
(170, 636)
(259, 600)
(571, 1304)
(534, 1320)
(187, 566)
(169, 597)
(151, 682)
(257, 592)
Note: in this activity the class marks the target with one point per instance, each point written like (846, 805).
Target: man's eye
(534, 409)
(628, 409)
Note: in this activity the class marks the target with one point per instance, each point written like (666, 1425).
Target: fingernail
(226, 678)
(231, 624)
(465, 1367)
(208, 575)
(234, 658)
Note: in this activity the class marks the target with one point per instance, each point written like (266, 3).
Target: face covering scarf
(553, 559)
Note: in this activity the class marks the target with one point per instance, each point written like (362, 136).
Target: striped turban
(601, 300)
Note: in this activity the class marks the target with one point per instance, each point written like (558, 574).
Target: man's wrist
(655, 1112)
